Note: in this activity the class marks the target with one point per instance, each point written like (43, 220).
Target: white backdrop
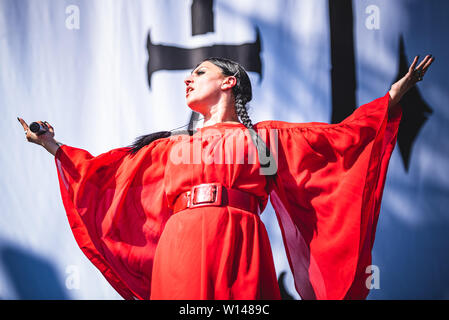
(82, 66)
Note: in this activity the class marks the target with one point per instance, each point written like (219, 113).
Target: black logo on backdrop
(163, 57)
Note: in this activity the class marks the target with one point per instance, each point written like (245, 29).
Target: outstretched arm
(414, 75)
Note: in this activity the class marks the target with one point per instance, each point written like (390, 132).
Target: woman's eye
(200, 72)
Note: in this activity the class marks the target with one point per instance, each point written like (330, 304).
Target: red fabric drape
(327, 197)
(326, 194)
(116, 208)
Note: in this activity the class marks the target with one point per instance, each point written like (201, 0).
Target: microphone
(37, 128)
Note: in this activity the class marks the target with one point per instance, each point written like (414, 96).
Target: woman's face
(204, 87)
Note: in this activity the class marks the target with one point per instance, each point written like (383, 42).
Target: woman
(176, 216)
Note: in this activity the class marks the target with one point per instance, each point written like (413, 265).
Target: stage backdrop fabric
(86, 68)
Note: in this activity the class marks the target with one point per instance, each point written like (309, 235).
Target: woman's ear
(228, 83)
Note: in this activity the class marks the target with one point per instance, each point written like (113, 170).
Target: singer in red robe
(135, 212)
(326, 195)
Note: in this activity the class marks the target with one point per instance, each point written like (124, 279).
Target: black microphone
(37, 128)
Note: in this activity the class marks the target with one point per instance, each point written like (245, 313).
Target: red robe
(326, 194)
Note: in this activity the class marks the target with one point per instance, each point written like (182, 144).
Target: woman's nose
(188, 80)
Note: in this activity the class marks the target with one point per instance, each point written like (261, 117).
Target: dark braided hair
(242, 95)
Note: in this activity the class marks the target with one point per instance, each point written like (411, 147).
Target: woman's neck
(220, 113)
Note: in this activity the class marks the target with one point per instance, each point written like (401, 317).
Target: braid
(242, 112)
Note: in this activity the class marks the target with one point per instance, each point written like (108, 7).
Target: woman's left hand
(414, 75)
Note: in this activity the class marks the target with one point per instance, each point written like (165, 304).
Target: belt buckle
(206, 194)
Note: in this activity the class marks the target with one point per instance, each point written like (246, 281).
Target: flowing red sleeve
(327, 194)
(116, 207)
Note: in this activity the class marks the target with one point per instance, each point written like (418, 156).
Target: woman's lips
(188, 90)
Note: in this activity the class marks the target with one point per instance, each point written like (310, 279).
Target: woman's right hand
(47, 139)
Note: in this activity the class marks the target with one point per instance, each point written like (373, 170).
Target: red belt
(215, 194)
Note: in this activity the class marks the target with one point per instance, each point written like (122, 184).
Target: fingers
(424, 62)
(23, 123)
(427, 61)
(415, 61)
(417, 73)
(43, 124)
(427, 65)
(49, 126)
